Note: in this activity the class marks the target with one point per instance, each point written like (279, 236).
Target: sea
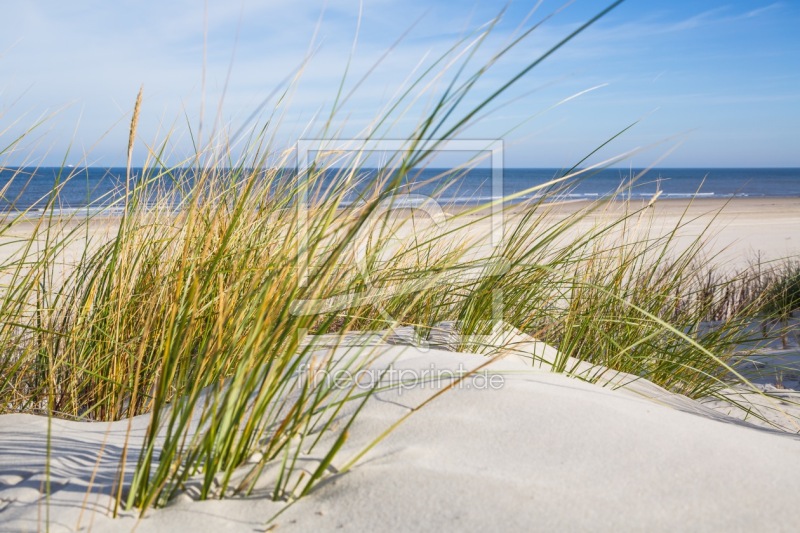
(91, 189)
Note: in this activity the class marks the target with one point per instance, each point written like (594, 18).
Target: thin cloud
(762, 10)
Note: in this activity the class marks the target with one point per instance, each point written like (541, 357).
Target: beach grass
(202, 304)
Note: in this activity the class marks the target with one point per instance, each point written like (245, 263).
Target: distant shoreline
(748, 204)
(99, 186)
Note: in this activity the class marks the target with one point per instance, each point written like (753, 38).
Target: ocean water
(90, 189)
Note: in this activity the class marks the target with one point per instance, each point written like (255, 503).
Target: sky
(706, 83)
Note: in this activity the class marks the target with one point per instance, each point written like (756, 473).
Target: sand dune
(513, 447)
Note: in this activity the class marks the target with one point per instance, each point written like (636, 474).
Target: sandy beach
(739, 230)
(512, 446)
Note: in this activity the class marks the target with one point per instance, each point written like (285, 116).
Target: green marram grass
(186, 314)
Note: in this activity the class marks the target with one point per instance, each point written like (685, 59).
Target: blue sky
(712, 82)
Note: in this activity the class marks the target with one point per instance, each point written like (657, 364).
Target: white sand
(737, 231)
(542, 452)
(742, 228)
